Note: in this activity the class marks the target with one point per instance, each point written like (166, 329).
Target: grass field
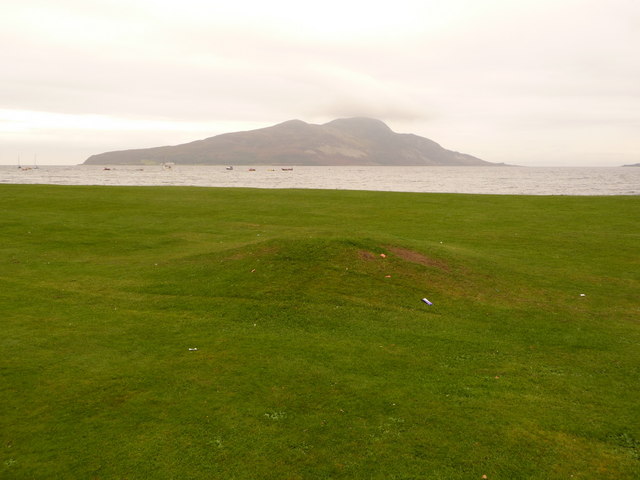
(316, 358)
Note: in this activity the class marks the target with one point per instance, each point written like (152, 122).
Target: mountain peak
(295, 123)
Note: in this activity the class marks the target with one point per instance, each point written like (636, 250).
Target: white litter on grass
(583, 295)
(193, 349)
(427, 301)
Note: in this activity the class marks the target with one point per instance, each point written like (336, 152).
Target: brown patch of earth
(415, 257)
(364, 255)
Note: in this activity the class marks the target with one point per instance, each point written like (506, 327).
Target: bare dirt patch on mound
(416, 257)
(364, 255)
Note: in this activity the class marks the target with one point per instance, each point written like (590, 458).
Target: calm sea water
(488, 180)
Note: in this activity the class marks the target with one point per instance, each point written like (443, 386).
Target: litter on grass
(193, 349)
(427, 301)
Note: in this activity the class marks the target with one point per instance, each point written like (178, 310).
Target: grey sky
(531, 82)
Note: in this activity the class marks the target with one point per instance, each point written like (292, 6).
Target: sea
(480, 180)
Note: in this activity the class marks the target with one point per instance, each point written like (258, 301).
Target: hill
(350, 141)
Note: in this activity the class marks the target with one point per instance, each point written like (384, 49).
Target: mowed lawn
(205, 333)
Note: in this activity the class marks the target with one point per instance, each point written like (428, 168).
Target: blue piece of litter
(427, 301)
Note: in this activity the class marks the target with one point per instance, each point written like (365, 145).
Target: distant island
(347, 141)
(632, 165)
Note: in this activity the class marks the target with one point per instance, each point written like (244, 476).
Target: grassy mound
(231, 333)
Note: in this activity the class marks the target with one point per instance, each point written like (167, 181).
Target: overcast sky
(529, 82)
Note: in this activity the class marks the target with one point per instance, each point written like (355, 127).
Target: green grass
(315, 357)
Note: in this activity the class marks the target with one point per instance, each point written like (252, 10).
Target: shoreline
(565, 181)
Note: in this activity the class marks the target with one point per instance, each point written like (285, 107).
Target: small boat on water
(230, 167)
(287, 169)
(35, 164)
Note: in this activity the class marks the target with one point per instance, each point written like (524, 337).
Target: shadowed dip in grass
(270, 334)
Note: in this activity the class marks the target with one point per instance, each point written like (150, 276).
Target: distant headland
(347, 141)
